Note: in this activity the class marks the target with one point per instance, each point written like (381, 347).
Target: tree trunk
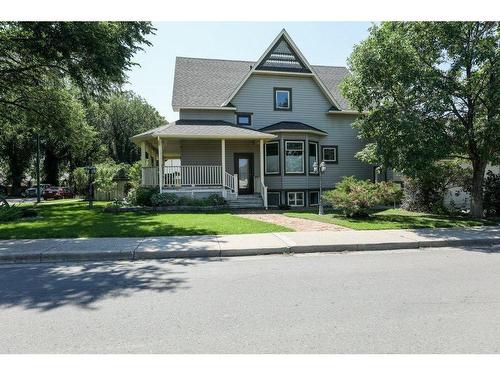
(51, 168)
(476, 208)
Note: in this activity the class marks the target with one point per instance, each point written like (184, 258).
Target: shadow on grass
(49, 286)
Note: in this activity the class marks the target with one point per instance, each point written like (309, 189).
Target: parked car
(31, 192)
(57, 193)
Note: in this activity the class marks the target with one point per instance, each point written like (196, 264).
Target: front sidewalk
(52, 250)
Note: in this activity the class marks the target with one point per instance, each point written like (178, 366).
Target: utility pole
(38, 168)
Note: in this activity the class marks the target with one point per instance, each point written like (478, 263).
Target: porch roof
(201, 129)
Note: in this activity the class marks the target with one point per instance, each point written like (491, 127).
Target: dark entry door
(243, 166)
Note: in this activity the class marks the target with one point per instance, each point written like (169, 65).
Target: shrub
(215, 200)
(14, 212)
(164, 199)
(421, 196)
(491, 201)
(142, 195)
(390, 193)
(355, 197)
(426, 191)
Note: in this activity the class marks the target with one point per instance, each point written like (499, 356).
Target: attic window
(283, 58)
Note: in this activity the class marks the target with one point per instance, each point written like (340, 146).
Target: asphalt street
(443, 300)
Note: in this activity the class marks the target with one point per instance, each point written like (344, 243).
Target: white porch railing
(263, 193)
(229, 181)
(189, 175)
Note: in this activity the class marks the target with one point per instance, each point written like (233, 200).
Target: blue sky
(322, 43)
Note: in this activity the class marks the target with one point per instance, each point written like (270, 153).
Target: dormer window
(244, 119)
(282, 99)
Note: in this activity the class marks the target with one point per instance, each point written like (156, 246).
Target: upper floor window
(282, 99)
(244, 119)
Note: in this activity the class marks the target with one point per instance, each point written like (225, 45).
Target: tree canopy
(429, 91)
(94, 55)
(51, 74)
(118, 118)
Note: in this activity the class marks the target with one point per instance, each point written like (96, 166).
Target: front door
(243, 166)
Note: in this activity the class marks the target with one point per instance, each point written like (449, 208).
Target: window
(273, 198)
(313, 156)
(313, 198)
(294, 157)
(330, 154)
(295, 198)
(244, 119)
(282, 99)
(272, 158)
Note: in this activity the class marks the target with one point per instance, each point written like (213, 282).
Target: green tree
(36, 60)
(120, 117)
(94, 55)
(431, 91)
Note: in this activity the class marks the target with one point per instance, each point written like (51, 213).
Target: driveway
(413, 301)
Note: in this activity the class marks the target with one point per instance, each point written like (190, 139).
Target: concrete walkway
(51, 250)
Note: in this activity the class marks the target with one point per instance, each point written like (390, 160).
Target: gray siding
(193, 114)
(207, 152)
(310, 106)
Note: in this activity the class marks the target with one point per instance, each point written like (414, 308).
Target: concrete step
(247, 201)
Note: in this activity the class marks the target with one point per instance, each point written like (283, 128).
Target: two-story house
(252, 131)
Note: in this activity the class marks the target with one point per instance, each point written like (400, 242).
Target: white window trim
(265, 157)
(279, 197)
(276, 98)
(303, 156)
(309, 196)
(316, 146)
(295, 193)
(323, 154)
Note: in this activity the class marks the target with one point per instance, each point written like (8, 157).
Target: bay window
(294, 157)
(272, 158)
(313, 156)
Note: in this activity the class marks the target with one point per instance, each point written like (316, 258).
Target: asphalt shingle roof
(210, 129)
(291, 125)
(210, 82)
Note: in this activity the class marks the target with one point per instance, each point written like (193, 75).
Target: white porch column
(160, 163)
(262, 186)
(143, 153)
(223, 156)
(262, 162)
(143, 162)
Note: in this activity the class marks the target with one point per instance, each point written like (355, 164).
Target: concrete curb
(61, 254)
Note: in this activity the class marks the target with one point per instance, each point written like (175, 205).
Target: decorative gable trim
(282, 58)
(300, 58)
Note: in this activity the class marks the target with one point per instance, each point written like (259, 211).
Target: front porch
(193, 179)
(223, 159)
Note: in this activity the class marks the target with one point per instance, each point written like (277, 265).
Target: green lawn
(72, 218)
(393, 219)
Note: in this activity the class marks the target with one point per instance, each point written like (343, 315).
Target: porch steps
(246, 201)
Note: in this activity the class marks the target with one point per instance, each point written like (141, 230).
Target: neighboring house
(457, 198)
(251, 131)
